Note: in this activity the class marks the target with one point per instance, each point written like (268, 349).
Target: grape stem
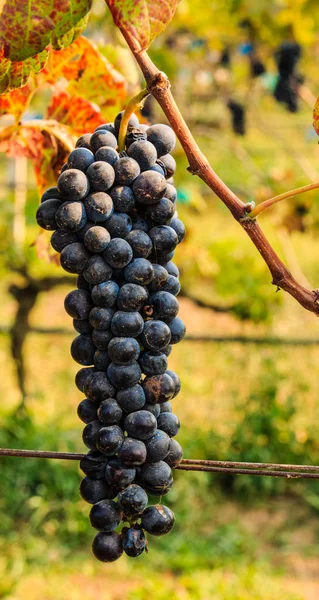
(159, 86)
(188, 464)
(271, 201)
(134, 104)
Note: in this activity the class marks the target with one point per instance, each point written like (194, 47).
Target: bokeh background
(236, 538)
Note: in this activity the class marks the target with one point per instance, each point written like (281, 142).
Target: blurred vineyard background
(236, 538)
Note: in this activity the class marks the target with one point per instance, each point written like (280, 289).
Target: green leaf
(143, 20)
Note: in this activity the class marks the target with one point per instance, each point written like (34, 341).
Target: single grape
(153, 363)
(165, 406)
(156, 335)
(179, 228)
(60, 239)
(133, 541)
(162, 212)
(80, 158)
(131, 399)
(157, 446)
(140, 424)
(162, 306)
(101, 317)
(139, 271)
(46, 214)
(82, 350)
(78, 304)
(160, 278)
(97, 387)
(119, 225)
(139, 223)
(52, 193)
(101, 360)
(98, 206)
(84, 141)
(169, 163)
(124, 376)
(82, 326)
(101, 176)
(169, 423)
(81, 377)
(119, 475)
(93, 464)
(74, 258)
(152, 408)
(172, 285)
(126, 170)
(144, 153)
(123, 351)
(102, 137)
(158, 388)
(107, 547)
(175, 454)
(177, 329)
(158, 519)
(132, 452)
(94, 490)
(106, 127)
(101, 338)
(105, 515)
(161, 257)
(176, 380)
(164, 239)
(97, 270)
(131, 297)
(96, 239)
(73, 184)
(140, 243)
(156, 478)
(105, 294)
(133, 501)
(162, 137)
(127, 324)
(123, 198)
(149, 187)
(172, 269)
(90, 434)
(107, 154)
(109, 439)
(118, 253)
(87, 411)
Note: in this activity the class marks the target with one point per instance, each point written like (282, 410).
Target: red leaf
(144, 20)
(79, 114)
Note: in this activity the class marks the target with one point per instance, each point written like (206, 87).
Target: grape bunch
(115, 225)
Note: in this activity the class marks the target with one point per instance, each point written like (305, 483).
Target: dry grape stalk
(116, 226)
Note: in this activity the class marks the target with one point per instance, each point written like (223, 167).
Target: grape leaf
(79, 114)
(144, 20)
(316, 117)
(15, 102)
(28, 28)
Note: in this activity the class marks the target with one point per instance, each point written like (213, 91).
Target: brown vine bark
(159, 86)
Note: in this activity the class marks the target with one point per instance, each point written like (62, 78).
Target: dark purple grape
(133, 501)
(156, 478)
(82, 350)
(101, 360)
(139, 271)
(119, 475)
(172, 285)
(81, 377)
(106, 127)
(119, 225)
(101, 317)
(169, 423)
(101, 176)
(87, 411)
(97, 387)
(171, 192)
(94, 490)
(131, 297)
(139, 223)
(169, 163)
(90, 434)
(60, 239)
(179, 228)
(127, 324)
(175, 454)
(52, 193)
(156, 335)
(109, 439)
(160, 278)
(96, 239)
(157, 446)
(73, 184)
(80, 158)
(162, 137)
(84, 141)
(97, 270)
(93, 464)
(102, 137)
(105, 294)
(149, 187)
(105, 515)
(78, 304)
(107, 154)
(46, 213)
(133, 541)
(140, 243)
(152, 408)
(165, 406)
(101, 338)
(164, 239)
(118, 253)
(172, 269)
(107, 547)
(123, 351)
(131, 399)
(82, 326)
(140, 424)
(123, 198)
(177, 329)
(126, 170)
(74, 258)
(158, 388)
(153, 363)
(162, 306)
(162, 212)
(124, 376)
(144, 153)
(176, 380)
(98, 206)
(132, 452)
(158, 519)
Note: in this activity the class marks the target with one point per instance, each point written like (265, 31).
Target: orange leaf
(79, 114)
(144, 20)
(16, 102)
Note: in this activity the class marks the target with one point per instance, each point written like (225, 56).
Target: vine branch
(188, 464)
(159, 86)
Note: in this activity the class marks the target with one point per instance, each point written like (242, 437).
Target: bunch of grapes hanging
(116, 227)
